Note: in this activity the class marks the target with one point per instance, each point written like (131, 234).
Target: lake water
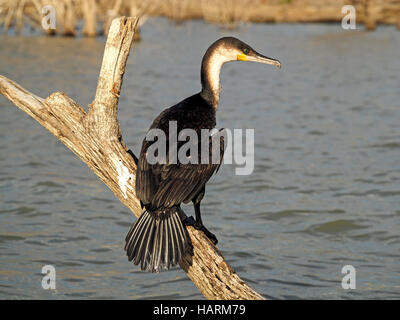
(325, 191)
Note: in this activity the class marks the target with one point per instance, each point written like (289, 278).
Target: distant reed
(93, 17)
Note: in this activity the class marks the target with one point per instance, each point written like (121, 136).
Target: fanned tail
(157, 240)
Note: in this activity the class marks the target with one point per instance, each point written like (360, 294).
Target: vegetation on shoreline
(95, 13)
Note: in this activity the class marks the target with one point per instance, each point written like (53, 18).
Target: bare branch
(88, 136)
(103, 111)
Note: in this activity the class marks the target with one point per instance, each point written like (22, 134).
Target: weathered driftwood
(95, 137)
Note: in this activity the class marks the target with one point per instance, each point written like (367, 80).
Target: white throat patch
(217, 60)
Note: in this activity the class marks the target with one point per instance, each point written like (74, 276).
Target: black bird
(159, 239)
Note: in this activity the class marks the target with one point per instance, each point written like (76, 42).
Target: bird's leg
(198, 213)
(199, 224)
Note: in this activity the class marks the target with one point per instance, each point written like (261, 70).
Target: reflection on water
(324, 193)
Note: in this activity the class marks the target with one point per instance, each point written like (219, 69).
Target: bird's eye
(245, 51)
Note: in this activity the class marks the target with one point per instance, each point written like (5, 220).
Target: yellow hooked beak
(258, 58)
(242, 57)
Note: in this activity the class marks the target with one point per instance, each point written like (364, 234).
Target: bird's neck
(210, 70)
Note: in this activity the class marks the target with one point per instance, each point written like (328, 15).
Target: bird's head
(221, 51)
(233, 49)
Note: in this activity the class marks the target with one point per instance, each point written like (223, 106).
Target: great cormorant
(159, 239)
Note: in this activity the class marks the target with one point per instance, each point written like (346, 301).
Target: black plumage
(159, 239)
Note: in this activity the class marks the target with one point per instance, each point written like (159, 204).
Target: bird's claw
(189, 221)
(209, 235)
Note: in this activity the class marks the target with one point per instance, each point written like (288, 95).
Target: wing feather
(167, 185)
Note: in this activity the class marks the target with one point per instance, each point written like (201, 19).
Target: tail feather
(175, 248)
(138, 239)
(157, 240)
(168, 243)
(178, 233)
(133, 232)
(142, 239)
(141, 224)
(147, 243)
